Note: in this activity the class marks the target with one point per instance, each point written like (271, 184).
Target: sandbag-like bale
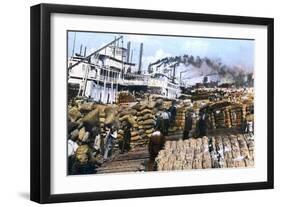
(151, 105)
(74, 134)
(149, 131)
(82, 132)
(249, 163)
(110, 119)
(86, 137)
(74, 114)
(126, 117)
(145, 111)
(82, 153)
(134, 133)
(197, 164)
(92, 118)
(230, 163)
(142, 107)
(102, 114)
(148, 116)
(132, 120)
(86, 107)
(132, 112)
(206, 163)
(83, 135)
(149, 122)
(134, 138)
(147, 126)
(141, 131)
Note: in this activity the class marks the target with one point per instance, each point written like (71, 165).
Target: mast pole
(73, 44)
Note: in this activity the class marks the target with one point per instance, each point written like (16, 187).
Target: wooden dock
(132, 161)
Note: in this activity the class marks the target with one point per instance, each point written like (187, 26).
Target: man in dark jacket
(173, 113)
(187, 125)
(125, 146)
(202, 125)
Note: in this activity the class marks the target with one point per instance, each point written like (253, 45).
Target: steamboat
(101, 75)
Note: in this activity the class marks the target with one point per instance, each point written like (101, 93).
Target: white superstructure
(100, 76)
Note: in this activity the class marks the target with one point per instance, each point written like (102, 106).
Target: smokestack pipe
(128, 51)
(85, 51)
(80, 50)
(174, 74)
(140, 59)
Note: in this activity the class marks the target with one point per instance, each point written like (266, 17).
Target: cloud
(196, 47)
(136, 38)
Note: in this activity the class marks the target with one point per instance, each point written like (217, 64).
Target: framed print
(132, 103)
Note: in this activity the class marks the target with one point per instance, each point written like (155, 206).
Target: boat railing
(108, 78)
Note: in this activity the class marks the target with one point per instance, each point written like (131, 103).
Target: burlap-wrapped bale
(74, 134)
(74, 114)
(149, 122)
(149, 131)
(86, 107)
(146, 111)
(110, 115)
(82, 153)
(91, 118)
(134, 133)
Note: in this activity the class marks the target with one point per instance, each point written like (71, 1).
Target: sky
(232, 52)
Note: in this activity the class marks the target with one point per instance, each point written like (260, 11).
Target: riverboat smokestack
(85, 50)
(80, 53)
(140, 59)
(128, 51)
(174, 74)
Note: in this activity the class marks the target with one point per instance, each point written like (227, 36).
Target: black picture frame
(41, 102)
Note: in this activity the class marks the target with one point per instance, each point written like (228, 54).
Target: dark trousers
(166, 127)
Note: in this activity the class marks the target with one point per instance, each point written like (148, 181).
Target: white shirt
(72, 147)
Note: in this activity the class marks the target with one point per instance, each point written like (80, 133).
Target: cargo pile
(125, 97)
(201, 153)
(142, 118)
(180, 117)
(146, 120)
(129, 115)
(87, 124)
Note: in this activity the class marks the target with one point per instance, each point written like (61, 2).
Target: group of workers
(85, 156)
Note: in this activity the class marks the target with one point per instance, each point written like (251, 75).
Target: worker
(187, 125)
(125, 144)
(202, 124)
(173, 113)
(166, 122)
(110, 138)
(156, 143)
